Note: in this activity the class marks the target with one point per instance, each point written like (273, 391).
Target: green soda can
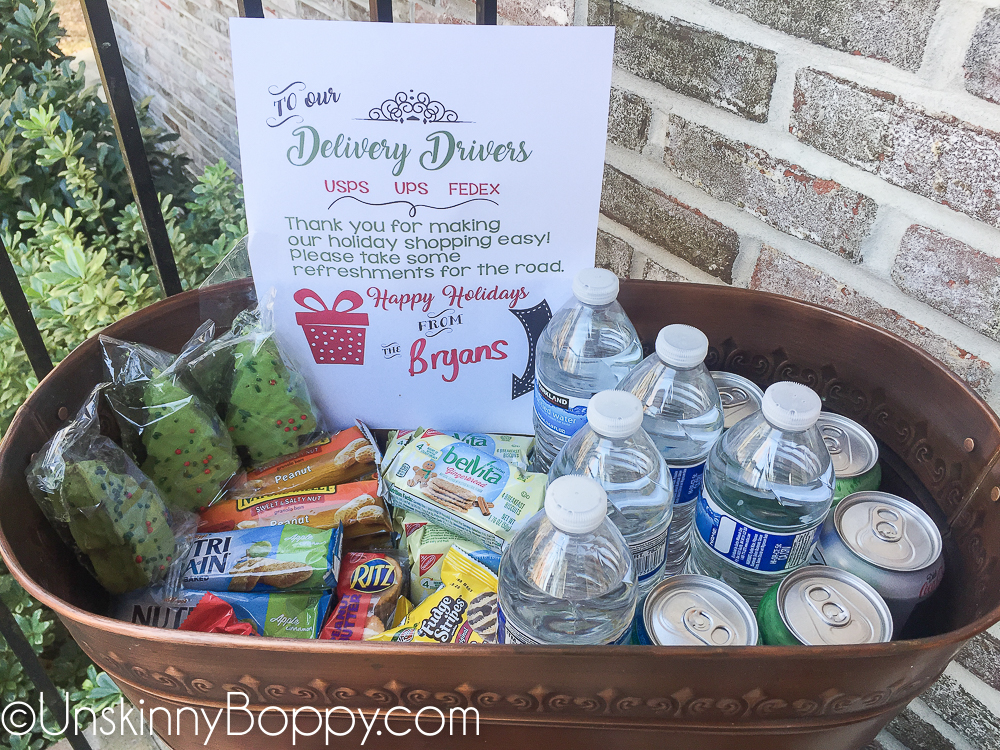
(821, 606)
(854, 453)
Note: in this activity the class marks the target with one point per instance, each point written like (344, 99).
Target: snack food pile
(202, 491)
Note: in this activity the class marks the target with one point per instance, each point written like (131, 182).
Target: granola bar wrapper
(426, 546)
(296, 614)
(463, 610)
(274, 558)
(369, 589)
(471, 493)
(356, 505)
(333, 459)
(513, 449)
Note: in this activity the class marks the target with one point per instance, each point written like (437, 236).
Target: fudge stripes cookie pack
(468, 491)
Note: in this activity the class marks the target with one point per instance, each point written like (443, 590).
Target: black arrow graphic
(533, 319)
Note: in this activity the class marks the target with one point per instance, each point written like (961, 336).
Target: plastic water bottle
(567, 577)
(768, 487)
(588, 346)
(684, 417)
(615, 451)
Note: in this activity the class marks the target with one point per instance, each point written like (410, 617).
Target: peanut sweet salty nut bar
(356, 505)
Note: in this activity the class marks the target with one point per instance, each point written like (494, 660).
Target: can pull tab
(833, 436)
(887, 524)
(733, 396)
(700, 623)
(828, 606)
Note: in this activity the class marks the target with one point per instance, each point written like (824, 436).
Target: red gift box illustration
(335, 338)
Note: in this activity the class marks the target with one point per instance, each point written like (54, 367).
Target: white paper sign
(420, 198)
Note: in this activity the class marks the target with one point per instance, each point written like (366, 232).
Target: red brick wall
(841, 151)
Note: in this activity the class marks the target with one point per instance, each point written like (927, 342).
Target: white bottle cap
(614, 414)
(791, 406)
(575, 504)
(595, 286)
(679, 345)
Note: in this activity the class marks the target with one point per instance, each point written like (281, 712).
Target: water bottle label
(750, 547)
(511, 634)
(650, 555)
(562, 414)
(687, 482)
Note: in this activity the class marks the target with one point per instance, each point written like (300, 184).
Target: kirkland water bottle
(567, 577)
(683, 416)
(768, 487)
(588, 346)
(614, 450)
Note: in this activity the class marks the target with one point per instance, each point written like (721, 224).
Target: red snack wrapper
(212, 615)
(368, 590)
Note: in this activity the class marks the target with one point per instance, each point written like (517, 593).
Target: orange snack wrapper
(334, 460)
(356, 504)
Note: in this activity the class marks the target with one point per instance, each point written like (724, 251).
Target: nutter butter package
(356, 505)
(463, 489)
(275, 558)
(281, 615)
(463, 610)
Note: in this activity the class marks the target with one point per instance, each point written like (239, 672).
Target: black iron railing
(116, 88)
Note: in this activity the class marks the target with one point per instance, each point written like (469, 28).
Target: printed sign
(419, 198)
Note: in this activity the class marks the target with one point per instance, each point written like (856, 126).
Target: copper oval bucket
(940, 444)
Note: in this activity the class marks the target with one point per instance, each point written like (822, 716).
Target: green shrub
(73, 232)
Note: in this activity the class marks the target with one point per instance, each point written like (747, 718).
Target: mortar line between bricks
(580, 12)
(867, 71)
(786, 147)
(880, 248)
(656, 253)
(853, 275)
(782, 93)
(949, 37)
(959, 740)
(982, 692)
(746, 260)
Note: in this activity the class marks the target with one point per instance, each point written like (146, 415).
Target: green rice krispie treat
(172, 430)
(120, 524)
(269, 407)
(189, 455)
(103, 506)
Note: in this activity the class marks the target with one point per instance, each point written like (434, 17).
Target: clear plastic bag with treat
(256, 387)
(173, 433)
(106, 508)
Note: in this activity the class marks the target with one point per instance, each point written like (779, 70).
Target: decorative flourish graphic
(412, 108)
(413, 206)
(533, 319)
(335, 338)
(285, 100)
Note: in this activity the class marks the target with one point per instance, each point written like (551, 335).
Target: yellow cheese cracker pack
(463, 610)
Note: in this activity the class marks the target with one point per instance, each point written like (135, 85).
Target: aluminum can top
(852, 448)
(824, 606)
(740, 397)
(887, 531)
(694, 610)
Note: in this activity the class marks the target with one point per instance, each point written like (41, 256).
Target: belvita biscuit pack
(473, 493)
